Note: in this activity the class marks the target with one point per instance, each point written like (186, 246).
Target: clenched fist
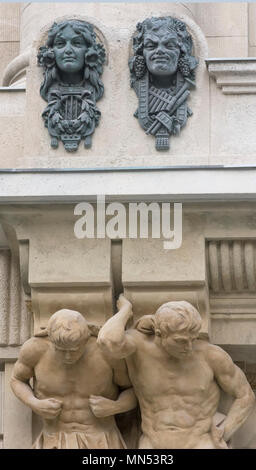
(102, 407)
(48, 408)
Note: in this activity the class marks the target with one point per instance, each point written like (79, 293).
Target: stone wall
(9, 34)
(224, 136)
(47, 268)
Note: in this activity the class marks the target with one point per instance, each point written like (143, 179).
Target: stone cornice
(227, 184)
(234, 76)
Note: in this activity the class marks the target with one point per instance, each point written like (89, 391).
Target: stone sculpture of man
(75, 388)
(162, 72)
(177, 377)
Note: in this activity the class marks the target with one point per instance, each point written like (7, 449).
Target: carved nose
(68, 49)
(160, 50)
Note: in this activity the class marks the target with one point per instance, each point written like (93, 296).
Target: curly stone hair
(187, 62)
(94, 57)
(177, 316)
(67, 328)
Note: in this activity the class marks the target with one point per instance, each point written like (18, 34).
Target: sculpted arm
(103, 407)
(23, 371)
(126, 400)
(113, 338)
(233, 381)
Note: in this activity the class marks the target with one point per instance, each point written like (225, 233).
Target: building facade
(209, 169)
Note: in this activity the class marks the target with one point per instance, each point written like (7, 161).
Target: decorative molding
(14, 317)
(72, 67)
(233, 76)
(162, 77)
(16, 69)
(24, 261)
(233, 308)
(231, 266)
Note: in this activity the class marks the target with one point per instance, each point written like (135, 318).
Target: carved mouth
(69, 59)
(160, 59)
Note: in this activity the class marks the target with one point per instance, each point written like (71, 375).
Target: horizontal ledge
(233, 76)
(114, 169)
(128, 184)
(8, 88)
(212, 60)
(232, 316)
(183, 285)
(41, 287)
(9, 353)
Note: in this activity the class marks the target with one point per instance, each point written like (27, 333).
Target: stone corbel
(234, 76)
(148, 298)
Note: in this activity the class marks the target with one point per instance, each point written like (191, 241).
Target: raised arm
(113, 338)
(23, 371)
(233, 381)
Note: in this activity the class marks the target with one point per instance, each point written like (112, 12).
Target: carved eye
(59, 43)
(169, 45)
(150, 46)
(78, 42)
(180, 341)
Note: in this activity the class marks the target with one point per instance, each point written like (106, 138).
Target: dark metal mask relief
(162, 73)
(73, 63)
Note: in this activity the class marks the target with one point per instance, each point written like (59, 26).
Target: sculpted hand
(102, 407)
(48, 408)
(123, 302)
(217, 437)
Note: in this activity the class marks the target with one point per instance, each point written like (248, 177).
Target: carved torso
(180, 406)
(73, 384)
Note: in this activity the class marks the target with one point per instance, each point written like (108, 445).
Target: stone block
(9, 22)
(8, 51)
(222, 19)
(17, 417)
(233, 124)
(12, 103)
(252, 51)
(233, 46)
(252, 24)
(11, 141)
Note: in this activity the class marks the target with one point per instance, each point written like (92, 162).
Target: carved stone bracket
(233, 76)
(148, 298)
(232, 288)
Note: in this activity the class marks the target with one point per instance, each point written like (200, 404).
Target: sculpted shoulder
(93, 349)
(32, 350)
(138, 336)
(216, 357)
(108, 364)
(142, 340)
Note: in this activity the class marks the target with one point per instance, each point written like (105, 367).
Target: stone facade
(210, 168)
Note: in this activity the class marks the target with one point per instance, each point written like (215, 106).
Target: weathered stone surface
(236, 46)
(167, 364)
(76, 391)
(17, 417)
(222, 19)
(126, 150)
(14, 317)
